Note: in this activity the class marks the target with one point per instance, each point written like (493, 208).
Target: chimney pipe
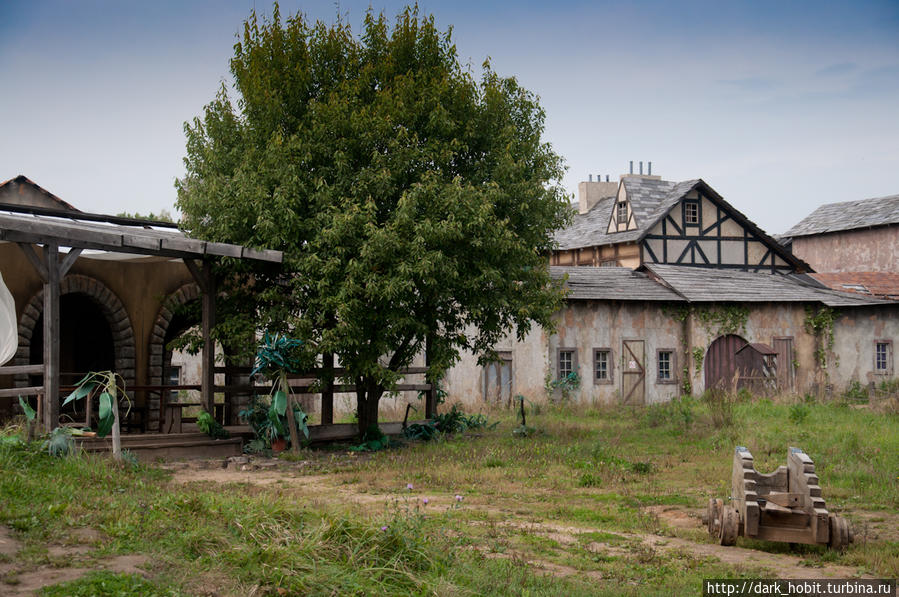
(632, 166)
(589, 178)
(650, 169)
(641, 167)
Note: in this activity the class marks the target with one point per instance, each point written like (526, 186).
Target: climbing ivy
(698, 356)
(723, 319)
(819, 323)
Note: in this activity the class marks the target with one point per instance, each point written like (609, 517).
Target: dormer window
(622, 213)
(691, 213)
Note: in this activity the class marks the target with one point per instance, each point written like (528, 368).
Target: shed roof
(848, 215)
(611, 283)
(119, 235)
(758, 347)
(700, 284)
(885, 284)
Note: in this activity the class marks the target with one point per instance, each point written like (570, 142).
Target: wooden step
(153, 446)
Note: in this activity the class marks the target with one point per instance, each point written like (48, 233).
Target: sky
(779, 106)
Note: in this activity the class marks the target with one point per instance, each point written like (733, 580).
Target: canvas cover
(9, 338)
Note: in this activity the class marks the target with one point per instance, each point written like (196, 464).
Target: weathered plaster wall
(587, 325)
(868, 250)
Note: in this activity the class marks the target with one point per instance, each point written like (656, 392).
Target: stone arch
(187, 293)
(110, 305)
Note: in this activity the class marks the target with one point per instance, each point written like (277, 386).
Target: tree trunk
(368, 396)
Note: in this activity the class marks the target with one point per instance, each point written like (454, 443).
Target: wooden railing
(22, 370)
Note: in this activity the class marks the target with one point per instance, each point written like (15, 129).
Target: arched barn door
(721, 362)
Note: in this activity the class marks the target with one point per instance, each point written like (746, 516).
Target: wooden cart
(785, 505)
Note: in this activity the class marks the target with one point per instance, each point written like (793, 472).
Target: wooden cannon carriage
(785, 505)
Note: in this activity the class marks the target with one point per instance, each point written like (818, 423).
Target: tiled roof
(611, 283)
(849, 215)
(703, 285)
(883, 284)
(649, 200)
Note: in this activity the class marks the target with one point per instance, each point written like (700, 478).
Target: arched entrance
(95, 331)
(721, 362)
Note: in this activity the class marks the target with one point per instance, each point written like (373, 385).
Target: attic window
(691, 213)
(622, 213)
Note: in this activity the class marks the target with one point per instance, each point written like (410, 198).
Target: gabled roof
(13, 190)
(611, 283)
(650, 201)
(711, 285)
(848, 215)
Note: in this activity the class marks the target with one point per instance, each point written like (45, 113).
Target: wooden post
(431, 394)
(51, 338)
(328, 389)
(208, 373)
(205, 279)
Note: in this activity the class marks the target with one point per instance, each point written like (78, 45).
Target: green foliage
(698, 357)
(855, 392)
(60, 442)
(102, 582)
(372, 441)
(678, 413)
(162, 216)
(208, 425)
(720, 320)
(276, 356)
(412, 201)
(799, 413)
(819, 323)
(112, 388)
(721, 407)
(26, 408)
(566, 385)
(453, 421)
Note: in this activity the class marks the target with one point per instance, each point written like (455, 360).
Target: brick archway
(158, 354)
(110, 305)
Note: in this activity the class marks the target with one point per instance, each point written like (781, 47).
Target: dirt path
(18, 578)
(291, 475)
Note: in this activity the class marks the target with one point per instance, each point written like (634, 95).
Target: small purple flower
(384, 528)
(424, 501)
(459, 498)
(409, 486)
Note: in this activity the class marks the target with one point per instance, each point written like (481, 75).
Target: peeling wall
(588, 325)
(868, 250)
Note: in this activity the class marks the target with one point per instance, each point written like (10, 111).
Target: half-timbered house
(668, 284)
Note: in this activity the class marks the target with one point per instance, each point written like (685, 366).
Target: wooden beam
(29, 391)
(51, 338)
(328, 389)
(68, 261)
(196, 270)
(35, 261)
(20, 369)
(208, 323)
(431, 392)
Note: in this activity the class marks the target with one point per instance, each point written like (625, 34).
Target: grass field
(595, 501)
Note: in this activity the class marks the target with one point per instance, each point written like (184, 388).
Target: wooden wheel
(730, 526)
(714, 516)
(840, 532)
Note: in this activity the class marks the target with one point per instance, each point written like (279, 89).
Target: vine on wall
(819, 323)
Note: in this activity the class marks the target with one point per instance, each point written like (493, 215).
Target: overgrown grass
(559, 512)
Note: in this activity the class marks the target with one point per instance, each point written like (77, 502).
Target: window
(567, 362)
(173, 379)
(691, 213)
(622, 213)
(883, 357)
(602, 365)
(665, 368)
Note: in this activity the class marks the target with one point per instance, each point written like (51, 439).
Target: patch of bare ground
(67, 562)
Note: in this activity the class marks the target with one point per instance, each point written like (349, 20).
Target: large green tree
(413, 202)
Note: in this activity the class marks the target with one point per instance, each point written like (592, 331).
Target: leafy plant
(799, 412)
(60, 442)
(372, 441)
(112, 388)
(208, 425)
(276, 357)
(566, 385)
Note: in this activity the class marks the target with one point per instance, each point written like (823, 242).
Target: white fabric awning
(9, 337)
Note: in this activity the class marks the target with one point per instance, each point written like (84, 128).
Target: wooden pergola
(65, 235)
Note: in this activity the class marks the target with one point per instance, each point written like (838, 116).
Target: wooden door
(633, 372)
(784, 348)
(498, 380)
(721, 362)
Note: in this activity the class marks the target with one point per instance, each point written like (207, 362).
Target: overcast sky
(780, 106)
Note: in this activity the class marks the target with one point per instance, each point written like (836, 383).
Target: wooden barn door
(721, 362)
(633, 372)
(784, 348)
